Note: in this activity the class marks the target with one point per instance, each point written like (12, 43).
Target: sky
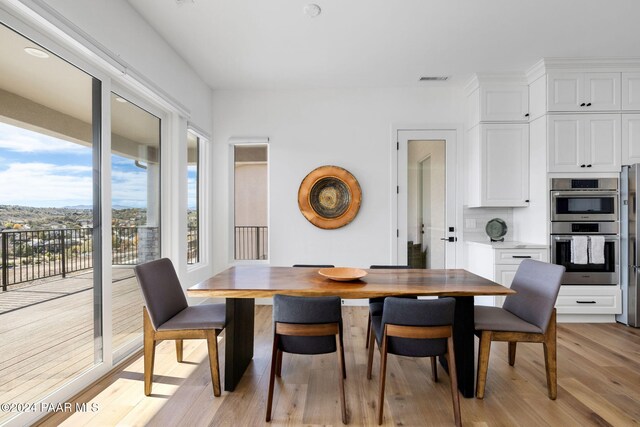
(41, 171)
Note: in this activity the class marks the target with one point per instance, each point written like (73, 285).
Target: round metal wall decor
(329, 197)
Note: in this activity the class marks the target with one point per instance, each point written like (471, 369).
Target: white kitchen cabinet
(631, 91)
(584, 143)
(504, 103)
(498, 165)
(588, 92)
(630, 139)
(589, 300)
(500, 261)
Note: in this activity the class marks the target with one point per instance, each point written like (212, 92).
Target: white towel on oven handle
(596, 249)
(579, 250)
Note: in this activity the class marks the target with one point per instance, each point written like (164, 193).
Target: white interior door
(427, 195)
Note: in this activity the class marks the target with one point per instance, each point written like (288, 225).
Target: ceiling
(379, 43)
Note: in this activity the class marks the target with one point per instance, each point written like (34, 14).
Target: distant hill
(67, 217)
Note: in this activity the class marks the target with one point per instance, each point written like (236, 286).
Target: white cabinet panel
(565, 136)
(630, 139)
(498, 165)
(602, 152)
(564, 91)
(584, 143)
(586, 92)
(631, 91)
(602, 92)
(589, 300)
(504, 103)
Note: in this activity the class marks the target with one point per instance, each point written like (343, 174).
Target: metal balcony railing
(251, 242)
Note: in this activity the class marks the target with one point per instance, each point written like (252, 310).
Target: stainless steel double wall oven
(587, 207)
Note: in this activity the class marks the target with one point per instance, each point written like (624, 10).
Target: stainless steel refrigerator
(630, 253)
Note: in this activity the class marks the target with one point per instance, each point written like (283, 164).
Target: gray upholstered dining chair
(376, 304)
(527, 316)
(415, 328)
(167, 316)
(306, 325)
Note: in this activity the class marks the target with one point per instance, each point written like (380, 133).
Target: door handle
(450, 239)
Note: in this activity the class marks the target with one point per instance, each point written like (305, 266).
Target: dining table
(240, 285)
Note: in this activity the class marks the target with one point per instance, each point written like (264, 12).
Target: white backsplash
(475, 220)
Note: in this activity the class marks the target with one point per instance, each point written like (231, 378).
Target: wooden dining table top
(265, 281)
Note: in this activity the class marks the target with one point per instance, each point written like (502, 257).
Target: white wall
(350, 128)
(118, 27)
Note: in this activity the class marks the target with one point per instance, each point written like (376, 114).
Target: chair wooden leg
(383, 374)
(367, 343)
(451, 361)
(341, 377)
(550, 357)
(179, 352)
(344, 368)
(434, 369)
(483, 362)
(370, 356)
(512, 352)
(279, 363)
(212, 345)
(272, 375)
(149, 351)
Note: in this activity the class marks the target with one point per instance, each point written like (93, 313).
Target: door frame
(453, 136)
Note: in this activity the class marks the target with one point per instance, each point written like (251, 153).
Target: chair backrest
(161, 290)
(314, 265)
(388, 267)
(415, 312)
(537, 285)
(307, 310)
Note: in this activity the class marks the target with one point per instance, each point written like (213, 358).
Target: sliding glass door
(135, 196)
(50, 258)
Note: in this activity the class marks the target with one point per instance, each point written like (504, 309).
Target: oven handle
(567, 238)
(579, 193)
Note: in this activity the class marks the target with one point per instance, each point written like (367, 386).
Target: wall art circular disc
(329, 197)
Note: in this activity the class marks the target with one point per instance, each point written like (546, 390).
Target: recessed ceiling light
(434, 78)
(312, 10)
(120, 99)
(36, 52)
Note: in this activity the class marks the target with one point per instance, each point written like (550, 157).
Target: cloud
(24, 141)
(46, 185)
(129, 188)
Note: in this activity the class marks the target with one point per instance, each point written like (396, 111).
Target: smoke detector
(312, 10)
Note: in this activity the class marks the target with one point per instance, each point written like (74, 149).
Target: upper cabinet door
(565, 143)
(630, 139)
(564, 91)
(602, 92)
(586, 92)
(631, 91)
(602, 142)
(504, 164)
(504, 103)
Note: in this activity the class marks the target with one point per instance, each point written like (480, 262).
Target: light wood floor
(46, 332)
(598, 370)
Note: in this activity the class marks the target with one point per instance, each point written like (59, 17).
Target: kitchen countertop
(508, 244)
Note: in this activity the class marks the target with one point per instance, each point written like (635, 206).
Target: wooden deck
(46, 332)
(598, 371)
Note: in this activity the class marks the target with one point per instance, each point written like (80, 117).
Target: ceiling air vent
(434, 78)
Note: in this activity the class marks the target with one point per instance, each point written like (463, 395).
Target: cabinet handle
(589, 104)
(586, 302)
(526, 115)
(582, 166)
(521, 256)
(583, 104)
(526, 201)
(588, 166)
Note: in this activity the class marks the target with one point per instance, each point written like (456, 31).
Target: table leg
(463, 341)
(238, 339)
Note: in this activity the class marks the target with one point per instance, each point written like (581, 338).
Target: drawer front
(582, 300)
(515, 256)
